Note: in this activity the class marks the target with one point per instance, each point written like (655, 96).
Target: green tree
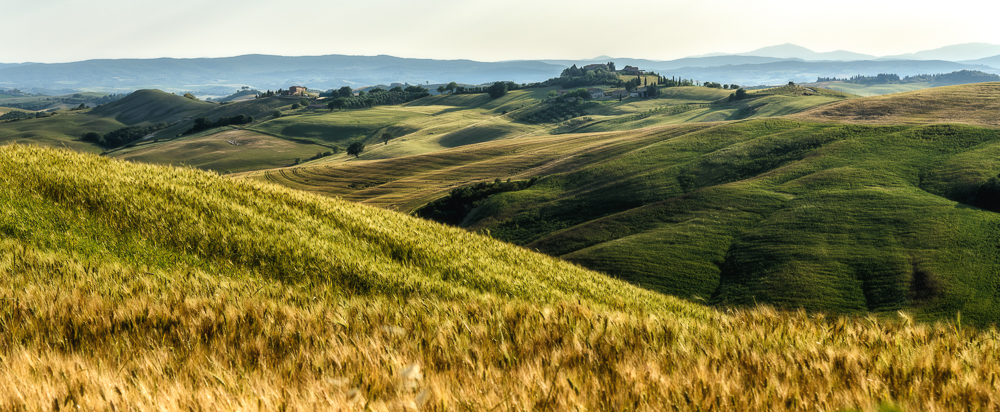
(451, 87)
(386, 137)
(498, 89)
(652, 91)
(190, 96)
(276, 114)
(93, 137)
(355, 149)
(345, 92)
(441, 89)
(338, 103)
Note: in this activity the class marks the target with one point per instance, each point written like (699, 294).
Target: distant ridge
(216, 77)
(955, 53)
(958, 52)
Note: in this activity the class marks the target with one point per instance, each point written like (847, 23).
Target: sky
(55, 31)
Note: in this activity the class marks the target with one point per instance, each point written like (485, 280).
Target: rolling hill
(974, 104)
(131, 286)
(64, 128)
(151, 106)
(861, 212)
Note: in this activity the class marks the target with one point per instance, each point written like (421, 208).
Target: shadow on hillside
(472, 135)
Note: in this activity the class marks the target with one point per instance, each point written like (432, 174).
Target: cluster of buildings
(295, 91)
(630, 70)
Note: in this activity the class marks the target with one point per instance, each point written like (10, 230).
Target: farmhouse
(632, 70)
(640, 92)
(296, 91)
(617, 93)
(596, 93)
(590, 67)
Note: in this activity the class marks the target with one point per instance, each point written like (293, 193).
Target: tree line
(958, 77)
(19, 115)
(203, 123)
(122, 136)
(376, 97)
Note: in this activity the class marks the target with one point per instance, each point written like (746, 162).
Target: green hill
(131, 286)
(976, 104)
(66, 127)
(151, 106)
(858, 217)
(62, 129)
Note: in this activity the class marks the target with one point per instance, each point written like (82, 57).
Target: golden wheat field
(139, 287)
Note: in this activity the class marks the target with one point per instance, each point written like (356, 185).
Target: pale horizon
(61, 31)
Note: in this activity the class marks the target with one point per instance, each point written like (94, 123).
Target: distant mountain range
(222, 76)
(264, 72)
(807, 71)
(791, 51)
(955, 53)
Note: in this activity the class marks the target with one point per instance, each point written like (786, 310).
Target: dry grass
(211, 299)
(975, 104)
(107, 338)
(406, 183)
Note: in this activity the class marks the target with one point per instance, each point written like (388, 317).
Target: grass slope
(60, 130)
(151, 106)
(858, 218)
(140, 287)
(227, 150)
(874, 89)
(977, 104)
(65, 128)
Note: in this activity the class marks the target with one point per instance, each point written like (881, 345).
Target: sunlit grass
(128, 286)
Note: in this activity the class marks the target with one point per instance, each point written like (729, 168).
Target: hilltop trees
(575, 77)
(345, 92)
(739, 95)
(355, 149)
(450, 88)
(881, 78)
(498, 89)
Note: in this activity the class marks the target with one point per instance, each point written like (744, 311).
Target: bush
(498, 89)
(355, 149)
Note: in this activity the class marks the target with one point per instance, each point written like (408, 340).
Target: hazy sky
(487, 30)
